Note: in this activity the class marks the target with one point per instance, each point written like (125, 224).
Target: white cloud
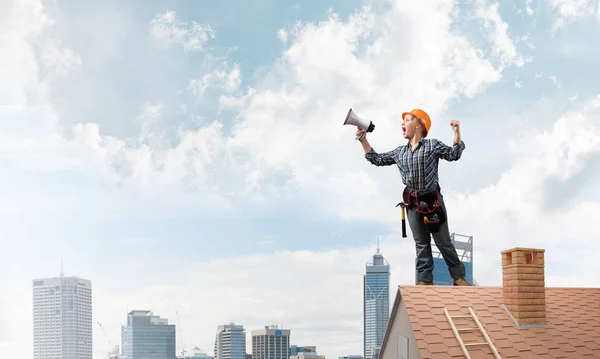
(167, 29)
(503, 45)
(549, 76)
(20, 21)
(570, 10)
(525, 39)
(59, 59)
(226, 80)
(282, 35)
(528, 10)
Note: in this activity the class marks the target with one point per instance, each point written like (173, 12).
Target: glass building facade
(230, 342)
(376, 292)
(147, 336)
(464, 248)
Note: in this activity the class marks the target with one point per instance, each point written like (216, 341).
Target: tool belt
(428, 208)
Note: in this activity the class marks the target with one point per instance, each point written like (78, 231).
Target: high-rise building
(464, 248)
(147, 336)
(376, 297)
(62, 318)
(230, 342)
(271, 343)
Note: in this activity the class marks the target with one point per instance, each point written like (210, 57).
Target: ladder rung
(457, 331)
(467, 329)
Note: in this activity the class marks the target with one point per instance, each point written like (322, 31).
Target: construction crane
(105, 337)
(183, 351)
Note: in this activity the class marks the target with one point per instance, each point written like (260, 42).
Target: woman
(418, 164)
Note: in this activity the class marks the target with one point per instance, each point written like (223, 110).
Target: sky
(190, 158)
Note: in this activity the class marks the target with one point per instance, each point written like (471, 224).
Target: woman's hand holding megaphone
(360, 134)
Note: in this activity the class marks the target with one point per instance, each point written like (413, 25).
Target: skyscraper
(230, 342)
(62, 318)
(271, 343)
(376, 293)
(464, 249)
(147, 336)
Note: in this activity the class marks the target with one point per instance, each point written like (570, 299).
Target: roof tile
(572, 330)
(431, 330)
(425, 354)
(510, 352)
(584, 351)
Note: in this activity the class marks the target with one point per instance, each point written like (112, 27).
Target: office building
(230, 342)
(294, 349)
(147, 336)
(271, 343)
(464, 248)
(376, 306)
(62, 318)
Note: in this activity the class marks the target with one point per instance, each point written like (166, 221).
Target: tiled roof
(572, 331)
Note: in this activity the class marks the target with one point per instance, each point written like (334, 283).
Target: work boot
(422, 282)
(461, 281)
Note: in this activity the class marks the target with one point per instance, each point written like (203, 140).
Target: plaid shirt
(419, 169)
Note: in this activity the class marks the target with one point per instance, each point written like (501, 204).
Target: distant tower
(230, 342)
(271, 343)
(376, 297)
(147, 336)
(464, 249)
(62, 318)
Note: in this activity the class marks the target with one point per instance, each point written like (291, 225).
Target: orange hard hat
(422, 116)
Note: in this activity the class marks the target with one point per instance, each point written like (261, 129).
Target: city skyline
(142, 333)
(191, 157)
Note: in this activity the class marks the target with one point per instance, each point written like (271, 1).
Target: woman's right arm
(377, 159)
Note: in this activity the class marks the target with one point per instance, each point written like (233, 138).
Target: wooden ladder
(457, 331)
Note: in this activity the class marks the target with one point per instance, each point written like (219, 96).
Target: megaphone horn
(354, 120)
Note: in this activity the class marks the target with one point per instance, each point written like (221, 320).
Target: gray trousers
(423, 246)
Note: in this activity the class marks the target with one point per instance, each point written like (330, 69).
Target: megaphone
(354, 120)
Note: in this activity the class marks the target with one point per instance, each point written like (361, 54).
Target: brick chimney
(523, 285)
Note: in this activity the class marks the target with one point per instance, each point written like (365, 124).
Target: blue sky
(178, 152)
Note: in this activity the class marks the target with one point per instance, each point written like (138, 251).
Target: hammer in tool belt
(403, 206)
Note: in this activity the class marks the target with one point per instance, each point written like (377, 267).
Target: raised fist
(455, 125)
